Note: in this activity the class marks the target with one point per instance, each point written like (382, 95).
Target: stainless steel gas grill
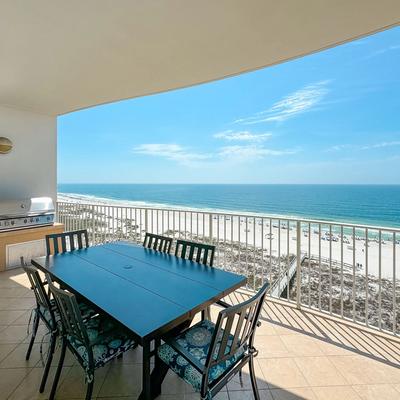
(28, 213)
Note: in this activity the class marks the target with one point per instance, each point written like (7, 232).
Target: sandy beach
(274, 235)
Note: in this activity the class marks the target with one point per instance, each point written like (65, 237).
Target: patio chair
(68, 241)
(94, 341)
(208, 355)
(46, 312)
(199, 252)
(157, 242)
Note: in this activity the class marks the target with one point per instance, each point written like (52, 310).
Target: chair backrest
(70, 314)
(37, 286)
(235, 328)
(199, 252)
(157, 242)
(66, 241)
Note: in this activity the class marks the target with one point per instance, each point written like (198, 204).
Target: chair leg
(48, 362)
(206, 314)
(89, 390)
(241, 378)
(34, 331)
(253, 379)
(59, 369)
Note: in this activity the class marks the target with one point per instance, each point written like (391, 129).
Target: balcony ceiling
(59, 56)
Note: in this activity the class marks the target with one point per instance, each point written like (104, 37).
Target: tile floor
(302, 355)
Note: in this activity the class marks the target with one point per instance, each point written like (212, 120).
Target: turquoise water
(362, 204)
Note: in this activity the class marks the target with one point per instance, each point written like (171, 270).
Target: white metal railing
(350, 271)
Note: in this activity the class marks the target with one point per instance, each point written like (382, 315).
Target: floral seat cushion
(107, 340)
(86, 312)
(195, 343)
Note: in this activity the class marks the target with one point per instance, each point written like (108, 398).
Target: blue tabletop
(149, 292)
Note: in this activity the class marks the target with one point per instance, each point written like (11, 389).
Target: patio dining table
(151, 293)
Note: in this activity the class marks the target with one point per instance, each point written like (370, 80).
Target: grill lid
(25, 207)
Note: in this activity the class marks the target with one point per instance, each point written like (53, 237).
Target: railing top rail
(242, 215)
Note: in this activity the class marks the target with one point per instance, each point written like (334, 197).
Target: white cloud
(173, 152)
(243, 136)
(381, 144)
(252, 152)
(383, 51)
(295, 103)
(340, 147)
(184, 155)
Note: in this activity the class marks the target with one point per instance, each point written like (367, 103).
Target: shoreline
(90, 199)
(254, 231)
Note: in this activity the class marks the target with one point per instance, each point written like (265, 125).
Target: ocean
(360, 204)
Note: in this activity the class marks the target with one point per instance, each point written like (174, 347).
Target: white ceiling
(58, 56)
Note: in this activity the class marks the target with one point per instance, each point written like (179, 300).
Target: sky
(330, 117)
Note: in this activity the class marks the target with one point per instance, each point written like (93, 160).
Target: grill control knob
(12, 222)
(25, 221)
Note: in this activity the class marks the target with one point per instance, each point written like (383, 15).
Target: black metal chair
(46, 311)
(207, 355)
(94, 341)
(67, 241)
(157, 242)
(199, 252)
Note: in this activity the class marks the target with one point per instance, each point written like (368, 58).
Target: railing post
(146, 220)
(210, 228)
(93, 227)
(298, 264)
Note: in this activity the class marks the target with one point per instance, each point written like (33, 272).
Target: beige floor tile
(331, 349)
(41, 335)
(7, 317)
(73, 385)
(10, 379)
(6, 349)
(13, 334)
(301, 345)
(272, 347)
(122, 380)
(14, 292)
(119, 398)
(266, 328)
(248, 395)
(29, 387)
(335, 393)
(397, 387)
(381, 392)
(23, 303)
(23, 319)
(282, 373)
(133, 356)
(359, 370)
(293, 394)
(173, 384)
(319, 371)
(171, 397)
(16, 359)
(234, 383)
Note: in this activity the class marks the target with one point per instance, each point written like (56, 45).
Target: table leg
(159, 372)
(151, 382)
(146, 369)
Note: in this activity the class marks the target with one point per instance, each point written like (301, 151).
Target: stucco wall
(31, 168)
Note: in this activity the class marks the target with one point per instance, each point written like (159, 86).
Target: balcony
(330, 324)
(302, 355)
(339, 269)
